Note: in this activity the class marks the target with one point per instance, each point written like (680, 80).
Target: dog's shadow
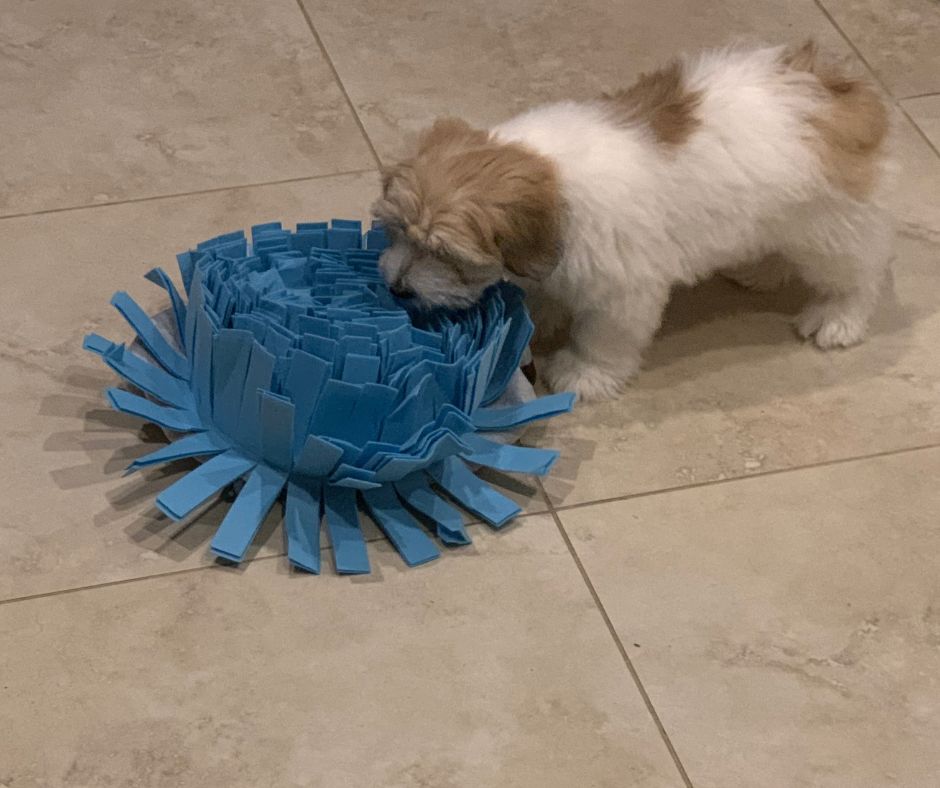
(724, 347)
(720, 327)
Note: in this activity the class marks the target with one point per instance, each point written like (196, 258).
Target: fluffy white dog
(769, 160)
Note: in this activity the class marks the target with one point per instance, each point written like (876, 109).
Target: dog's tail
(852, 123)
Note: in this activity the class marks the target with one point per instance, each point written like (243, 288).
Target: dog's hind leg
(847, 268)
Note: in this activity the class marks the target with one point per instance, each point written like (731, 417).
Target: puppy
(599, 208)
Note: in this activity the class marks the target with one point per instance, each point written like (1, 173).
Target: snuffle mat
(294, 374)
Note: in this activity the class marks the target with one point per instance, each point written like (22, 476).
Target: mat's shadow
(109, 441)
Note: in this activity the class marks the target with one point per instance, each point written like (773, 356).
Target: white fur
(642, 217)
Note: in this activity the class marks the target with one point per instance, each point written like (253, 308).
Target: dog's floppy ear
(503, 202)
(528, 238)
(468, 195)
(414, 189)
(506, 213)
(523, 201)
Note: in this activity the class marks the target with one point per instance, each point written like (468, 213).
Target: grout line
(339, 82)
(920, 95)
(127, 580)
(733, 479)
(196, 192)
(874, 74)
(620, 647)
(549, 506)
(243, 565)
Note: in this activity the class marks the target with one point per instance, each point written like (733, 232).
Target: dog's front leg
(606, 345)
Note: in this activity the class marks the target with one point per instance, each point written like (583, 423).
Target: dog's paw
(830, 326)
(565, 371)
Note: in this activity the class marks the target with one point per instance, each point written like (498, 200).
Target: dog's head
(463, 211)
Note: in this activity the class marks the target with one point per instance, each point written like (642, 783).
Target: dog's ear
(509, 222)
(524, 203)
(528, 236)
(469, 196)
(413, 188)
(500, 205)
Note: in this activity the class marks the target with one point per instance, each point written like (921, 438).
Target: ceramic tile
(785, 627)
(406, 63)
(900, 39)
(105, 101)
(490, 667)
(728, 390)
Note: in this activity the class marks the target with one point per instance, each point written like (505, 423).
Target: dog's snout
(401, 291)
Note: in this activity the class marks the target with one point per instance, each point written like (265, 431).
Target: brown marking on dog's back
(850, 128)
(659, 100)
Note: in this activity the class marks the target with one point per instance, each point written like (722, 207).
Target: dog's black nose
(400, 291)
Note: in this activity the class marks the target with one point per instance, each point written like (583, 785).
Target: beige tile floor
(730, 581)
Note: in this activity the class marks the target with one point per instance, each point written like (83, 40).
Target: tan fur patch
(851, 126)
(473, 200)
(660, 101)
